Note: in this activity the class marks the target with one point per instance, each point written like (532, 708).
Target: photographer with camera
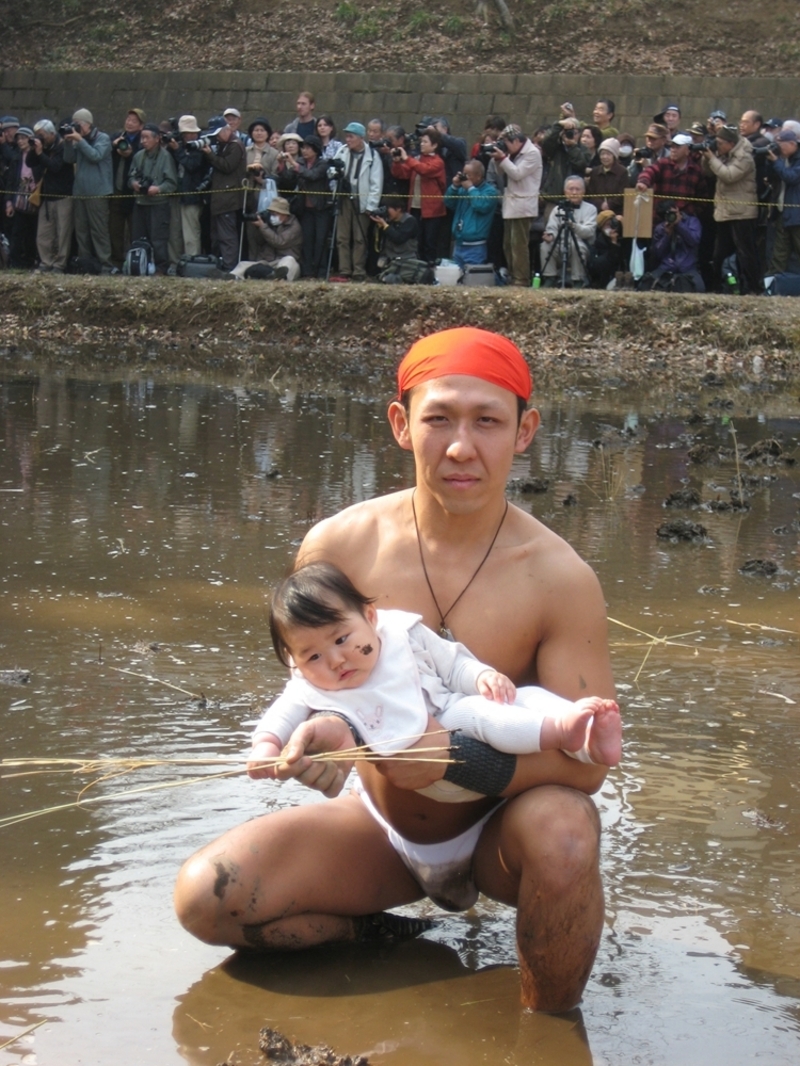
(570, 230)
(124, 145)
(655, 147)
(732, 163)
(153, 175)
(672, 256)
(225, 154)
(281, 240)
(54, 227)
(194, 177)
(605, 259)
(359, 172)
(472, 200)
(564, 155)
(426, 174)
(520, 163)
(90, 150)
(397, 259)
(784, 165)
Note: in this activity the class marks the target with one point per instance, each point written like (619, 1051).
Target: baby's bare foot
(604, 742)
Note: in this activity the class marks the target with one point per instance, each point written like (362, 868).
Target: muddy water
(142, 520)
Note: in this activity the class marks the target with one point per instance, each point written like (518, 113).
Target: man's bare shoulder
(533, 542)
(358, 528)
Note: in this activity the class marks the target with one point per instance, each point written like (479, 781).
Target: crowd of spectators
(380, 202)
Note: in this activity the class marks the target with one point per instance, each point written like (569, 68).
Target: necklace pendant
(445, 633)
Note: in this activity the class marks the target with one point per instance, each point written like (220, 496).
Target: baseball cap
(357, 128)
(231, 111)
(719, 114)
(787, 136)
(681, 139)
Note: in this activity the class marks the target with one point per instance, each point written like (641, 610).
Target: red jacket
(432, 182)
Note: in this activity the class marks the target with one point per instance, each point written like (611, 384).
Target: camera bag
(478, 274)
(200, 266)
(139, 259)
(84, 264)
(782, 285)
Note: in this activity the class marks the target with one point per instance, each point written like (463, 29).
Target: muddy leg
(540, 853)
(293, 879)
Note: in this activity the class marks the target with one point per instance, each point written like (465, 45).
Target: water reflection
(143, 519)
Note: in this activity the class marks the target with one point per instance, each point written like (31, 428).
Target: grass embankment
(327, 331)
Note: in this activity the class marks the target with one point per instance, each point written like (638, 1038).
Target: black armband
(337, 714)
(478, 767)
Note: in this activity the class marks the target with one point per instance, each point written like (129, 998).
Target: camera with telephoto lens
(382, 211)
(382, 143)
(250, 216)
(69, 127)
(144, 185)
(708, 145)
(670, 216)
(643, 153)
(206, 141)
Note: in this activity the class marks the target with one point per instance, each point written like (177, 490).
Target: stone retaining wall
(529, 99)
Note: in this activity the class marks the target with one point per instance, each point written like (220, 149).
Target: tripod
(335, 223)
(564, 240)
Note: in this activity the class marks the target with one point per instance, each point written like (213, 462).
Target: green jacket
(159, 168)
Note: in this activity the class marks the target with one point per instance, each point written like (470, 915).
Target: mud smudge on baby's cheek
(366, 650)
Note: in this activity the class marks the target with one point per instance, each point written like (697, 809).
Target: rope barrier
(499, 196)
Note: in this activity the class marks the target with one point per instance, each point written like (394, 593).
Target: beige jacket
(735, 196)
(523, 176)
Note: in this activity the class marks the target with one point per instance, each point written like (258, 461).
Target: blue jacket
(474, 210)
(787, 170)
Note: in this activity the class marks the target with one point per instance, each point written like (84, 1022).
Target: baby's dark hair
(313, 596)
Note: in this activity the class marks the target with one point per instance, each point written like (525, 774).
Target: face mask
(276, 220)
(625, 150)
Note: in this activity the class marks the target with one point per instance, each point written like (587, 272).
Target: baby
(385, 672)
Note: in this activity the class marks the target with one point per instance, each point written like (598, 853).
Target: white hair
(576, 178)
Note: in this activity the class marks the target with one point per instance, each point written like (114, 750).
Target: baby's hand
(496, 686)
(263, 750)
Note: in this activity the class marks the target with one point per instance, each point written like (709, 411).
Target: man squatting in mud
(526, 604)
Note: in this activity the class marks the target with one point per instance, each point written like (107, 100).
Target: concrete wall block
(496, 83)
(20, 100)
(347, 82)
(473, 103)
(508, 105)
(463, 83)
(534, 84)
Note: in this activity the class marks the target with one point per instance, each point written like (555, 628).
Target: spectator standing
(315, 206)
(9, 156)
(305, 123)
(262, 163)
(521, 166)
(18, 207)
(233, 117)
(362, 185)
(670, 117)
(90, 150)
(608, 181)
(735, 208)
(591, 138)
(124, 146)
(153, 176)
(678, 177)
(786, 168)
(227, 161)
(426, 173)
(54, 226)
(603, 118)
(194, 176)
(326, 131)
(472, 200)
(564, 154)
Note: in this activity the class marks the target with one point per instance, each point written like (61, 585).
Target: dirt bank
(327, 331)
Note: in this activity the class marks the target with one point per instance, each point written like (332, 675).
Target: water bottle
(731, 284)
(537, 281)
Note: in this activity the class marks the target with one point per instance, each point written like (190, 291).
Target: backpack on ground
(139, 260)
(408, 272)
(84, 264)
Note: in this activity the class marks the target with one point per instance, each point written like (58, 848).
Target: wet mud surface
(142, 524)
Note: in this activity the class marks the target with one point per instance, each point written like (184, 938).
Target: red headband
(476, 353)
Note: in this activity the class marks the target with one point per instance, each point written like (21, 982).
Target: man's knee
(556, 831)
